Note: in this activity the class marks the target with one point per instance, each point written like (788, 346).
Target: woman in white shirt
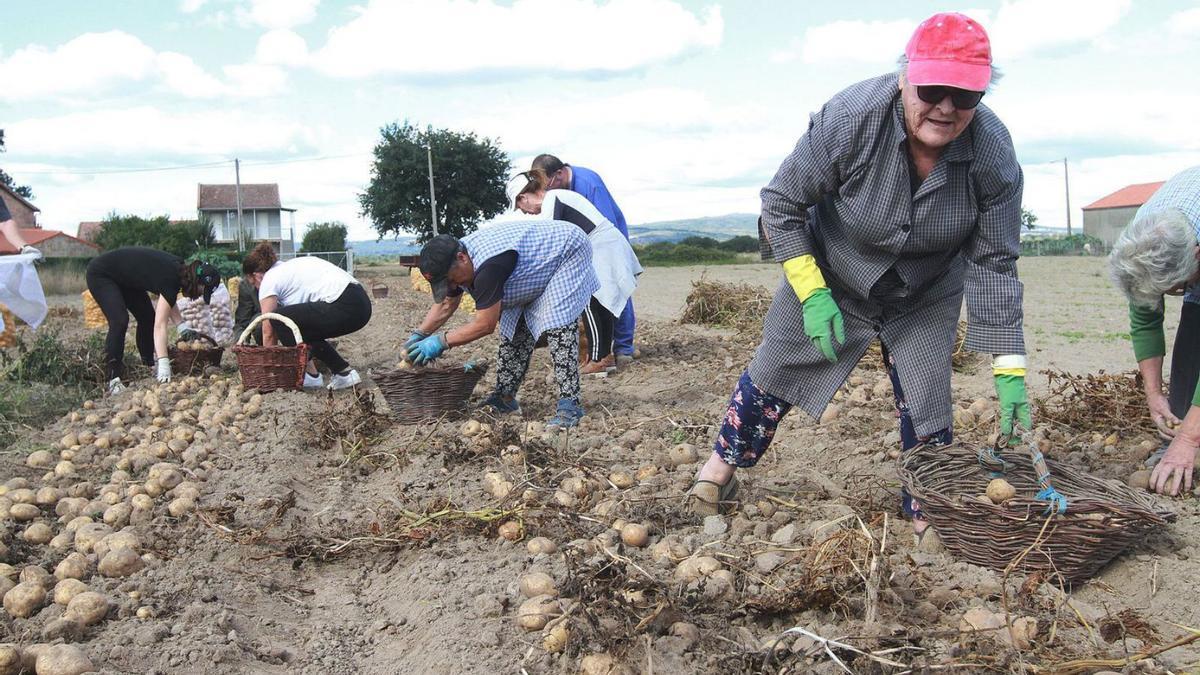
(321, 298)
(613, 258)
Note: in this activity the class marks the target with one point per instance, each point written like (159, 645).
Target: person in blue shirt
(589, 184)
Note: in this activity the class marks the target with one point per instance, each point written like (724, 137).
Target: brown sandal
(709, 498)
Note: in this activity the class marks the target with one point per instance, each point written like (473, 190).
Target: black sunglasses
(963, 99)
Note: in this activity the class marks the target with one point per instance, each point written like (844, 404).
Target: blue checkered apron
(554, 279)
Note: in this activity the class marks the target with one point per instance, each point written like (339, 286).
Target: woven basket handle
(270, 315)
(1058, 501)
(206, 336)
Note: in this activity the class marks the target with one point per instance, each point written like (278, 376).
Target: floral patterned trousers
(753, 416)
(515, 354)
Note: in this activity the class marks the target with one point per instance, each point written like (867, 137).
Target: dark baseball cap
(437, 257)
(209, 277)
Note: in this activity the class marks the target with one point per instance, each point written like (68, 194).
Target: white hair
(1153, 254)
(996, 75)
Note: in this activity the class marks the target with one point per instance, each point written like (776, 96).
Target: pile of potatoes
(155, 446)
(192, 345)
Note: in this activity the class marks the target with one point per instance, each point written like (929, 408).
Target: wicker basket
(379, 291)
(271, 368)
(422, 394)
(194, 362)
(1102, 518)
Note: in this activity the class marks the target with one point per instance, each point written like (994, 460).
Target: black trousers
(1185, 360)
(319, 321)
(599, 323)
(118, 303)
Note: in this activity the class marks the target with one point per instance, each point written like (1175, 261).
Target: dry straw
(1101, 402)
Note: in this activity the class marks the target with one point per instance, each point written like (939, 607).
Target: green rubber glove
(823, 322)
(1014, 405)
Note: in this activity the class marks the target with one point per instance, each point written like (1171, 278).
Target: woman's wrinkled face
(531, 202)
(932, 125)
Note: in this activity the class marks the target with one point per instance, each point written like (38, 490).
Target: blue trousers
(623, 331)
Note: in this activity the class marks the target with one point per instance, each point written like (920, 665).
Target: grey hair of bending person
(996, 76)
(1153, 254)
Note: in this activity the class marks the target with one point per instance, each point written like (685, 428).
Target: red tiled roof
(254, 196)
(36, 236)
(1130, 195)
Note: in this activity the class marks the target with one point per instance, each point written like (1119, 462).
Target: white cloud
(146, 131)
(253, 79)
(273, 14)
(443, 37)
(1019, 28)
(281, 47)
(181, 74)
(1024, 27)
(850, 41)
(89, 63)
(95, 64)
(1185, 23)
(191, 6)
(1104, 119)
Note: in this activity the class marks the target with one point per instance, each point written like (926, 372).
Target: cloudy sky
(686, 108)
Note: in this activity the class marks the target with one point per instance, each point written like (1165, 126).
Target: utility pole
(237, 177)
(1067, 185)
(432, 197)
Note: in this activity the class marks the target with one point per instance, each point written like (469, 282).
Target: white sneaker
(115, 386)
(313, 381)
(344, 381)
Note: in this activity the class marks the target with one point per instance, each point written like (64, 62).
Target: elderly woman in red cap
(903, 195)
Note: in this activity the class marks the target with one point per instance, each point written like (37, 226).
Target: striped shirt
(844, 196)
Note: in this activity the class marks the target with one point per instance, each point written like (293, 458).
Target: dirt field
(316, 536)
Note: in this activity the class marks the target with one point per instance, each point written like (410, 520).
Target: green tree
(23, 190)
(324, 237)
(1028, 218)
(700, 242)
(743, 243)
(181, 237)
(469, 175)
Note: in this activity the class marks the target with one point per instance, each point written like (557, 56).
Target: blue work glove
(427, 350)
(416, 337)
(823, 322)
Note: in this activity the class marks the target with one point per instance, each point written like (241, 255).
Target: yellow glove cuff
(1009, 364)
(804, 275)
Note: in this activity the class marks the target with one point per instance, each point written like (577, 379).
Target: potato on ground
(67, 589)
(63, 660)
(25, 599)
(87, 608)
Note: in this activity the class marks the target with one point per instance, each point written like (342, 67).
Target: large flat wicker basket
(193, 362)
(270, 368)
(423, 394)
(1102, 517)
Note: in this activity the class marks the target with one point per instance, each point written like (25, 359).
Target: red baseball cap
(949, 49)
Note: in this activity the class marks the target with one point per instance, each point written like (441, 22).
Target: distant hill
(400, 246)
(717, 227)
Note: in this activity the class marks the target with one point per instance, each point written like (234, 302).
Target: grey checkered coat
(553, 281)
(844, 196)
